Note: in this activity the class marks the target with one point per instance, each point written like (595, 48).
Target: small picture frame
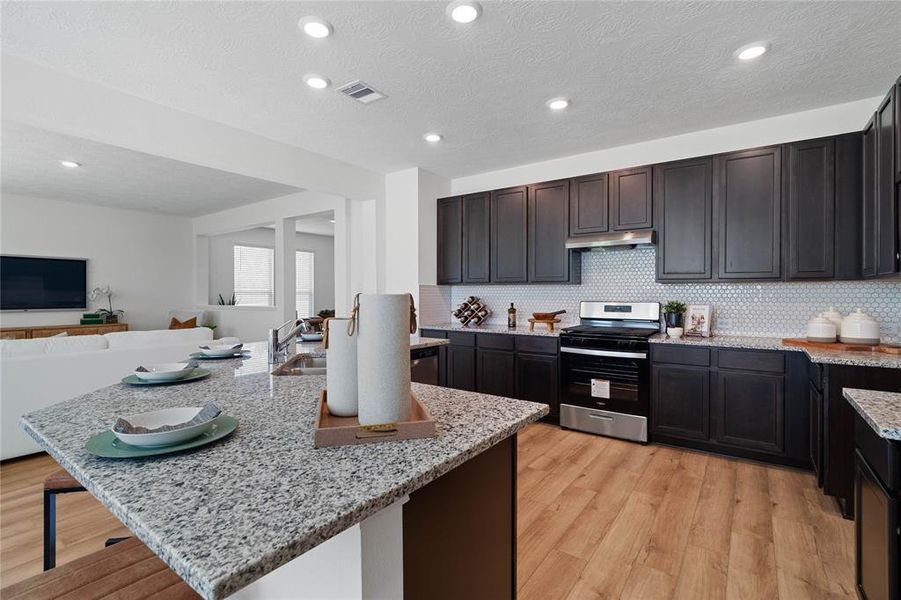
(698, 320)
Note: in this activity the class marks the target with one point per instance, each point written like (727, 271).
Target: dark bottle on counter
(511, 317)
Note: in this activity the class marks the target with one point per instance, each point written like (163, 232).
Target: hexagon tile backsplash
(779, 309)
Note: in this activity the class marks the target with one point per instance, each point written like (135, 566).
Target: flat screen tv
(34, 283)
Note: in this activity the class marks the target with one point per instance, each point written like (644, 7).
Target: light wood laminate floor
(597, 518)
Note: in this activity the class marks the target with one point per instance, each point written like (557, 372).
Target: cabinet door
(588, 206)
(810, 209)
(548, 227)
(749, 410)
(748, 204)
(898, 130)
(509, 227)
(630, 200)
(886, 208)
(876, 535)
(450, 240)
(684, 209)
(848, 205)
(868, 232)
(680, 401)
(537, 380)
(461, 368)
(476, 249)
(496, 373)
(815, 407)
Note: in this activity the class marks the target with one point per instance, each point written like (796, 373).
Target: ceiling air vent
(361, 92)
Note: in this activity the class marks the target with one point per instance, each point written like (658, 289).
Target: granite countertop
(832, 357)
(521, 329)
(882, 410)
(226, 514)
(417, 342)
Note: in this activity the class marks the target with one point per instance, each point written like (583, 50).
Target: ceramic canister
(341, 374)
(383, 357)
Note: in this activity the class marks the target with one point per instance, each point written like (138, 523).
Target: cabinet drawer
(681, 355)
(433, 333)
(495, 341)
(537, 345)
(461, 339)
(751, 360)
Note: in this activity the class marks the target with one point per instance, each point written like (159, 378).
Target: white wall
(145, 257)
(829, 120)
(221, 257)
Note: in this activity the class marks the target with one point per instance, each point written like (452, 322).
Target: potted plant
(230, 301)
(673, 313)
(109, 315)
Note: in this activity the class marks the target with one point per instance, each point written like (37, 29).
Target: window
(254, 276)
(304, 280)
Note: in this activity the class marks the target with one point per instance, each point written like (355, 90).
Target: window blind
(254, 276)
(304, 263)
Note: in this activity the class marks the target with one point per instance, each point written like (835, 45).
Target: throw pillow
(186, 324)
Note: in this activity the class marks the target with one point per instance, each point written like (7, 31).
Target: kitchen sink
(302, 364)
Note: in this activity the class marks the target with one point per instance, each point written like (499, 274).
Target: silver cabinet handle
(604, 353)
(600, 417)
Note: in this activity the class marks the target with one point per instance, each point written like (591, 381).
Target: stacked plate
(165, 373)
(161, 432)
(217, 350)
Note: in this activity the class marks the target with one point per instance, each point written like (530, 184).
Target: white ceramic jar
(820, 329)
(860, 328)
(834, 316)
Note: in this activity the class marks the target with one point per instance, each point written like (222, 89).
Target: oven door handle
(610, 353)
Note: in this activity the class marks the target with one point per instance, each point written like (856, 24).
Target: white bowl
(164, 372)
(158, 418)
(675, 332)
(220, 350)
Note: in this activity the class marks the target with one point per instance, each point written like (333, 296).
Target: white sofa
(38, 373)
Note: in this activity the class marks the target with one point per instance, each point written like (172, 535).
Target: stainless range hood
(619, 239)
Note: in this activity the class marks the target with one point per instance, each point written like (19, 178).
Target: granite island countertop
(882, 410)
(831, 357)
(224, 515)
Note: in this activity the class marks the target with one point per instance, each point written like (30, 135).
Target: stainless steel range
(606, 369)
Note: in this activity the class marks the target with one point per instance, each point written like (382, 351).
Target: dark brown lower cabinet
(537, 380)
(680, 404)
(460, 531)
(815, 414)
(461, 368)
(749, 410)
(496, 374)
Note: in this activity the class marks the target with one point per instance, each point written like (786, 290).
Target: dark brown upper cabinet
(868, 212)
(450, 240)
(886, 207)
(509, 230)
(898, 136)
(631, 205)
(476, 246)
(588, 206)
(810, 209)
(549, 260)
(848, 205)
(748, 207)
(683, 198)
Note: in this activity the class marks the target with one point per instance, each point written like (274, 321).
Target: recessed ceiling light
(70, 164)
(432, 138)
(557, 103)
(331, 220)
(464, 12)
(316, 81)
(315, 27)
(751, 51)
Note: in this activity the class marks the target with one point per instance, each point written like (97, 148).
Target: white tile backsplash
(765, 308)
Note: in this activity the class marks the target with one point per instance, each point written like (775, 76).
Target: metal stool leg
(49, 529)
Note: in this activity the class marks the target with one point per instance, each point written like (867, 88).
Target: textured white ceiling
(634, 70)
(119, 178)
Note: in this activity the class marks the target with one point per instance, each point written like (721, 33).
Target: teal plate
(107, 445)
(194, 376)
(202, 356)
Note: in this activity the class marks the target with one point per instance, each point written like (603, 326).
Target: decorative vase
(674, 332)
(673, 319)
(112, 319)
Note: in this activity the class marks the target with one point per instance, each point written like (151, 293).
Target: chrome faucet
(280, 340)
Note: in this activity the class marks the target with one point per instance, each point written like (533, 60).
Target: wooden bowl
(543, 316)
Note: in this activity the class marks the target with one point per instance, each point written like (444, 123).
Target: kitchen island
(226, 515)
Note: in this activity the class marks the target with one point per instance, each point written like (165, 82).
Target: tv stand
(43, 331)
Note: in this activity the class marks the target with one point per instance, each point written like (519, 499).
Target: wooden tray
(840, 347)
(330, 430)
